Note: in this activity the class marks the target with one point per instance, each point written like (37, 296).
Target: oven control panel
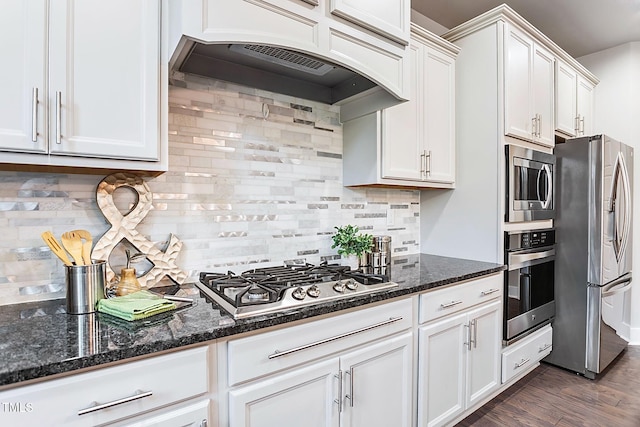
(519, 240)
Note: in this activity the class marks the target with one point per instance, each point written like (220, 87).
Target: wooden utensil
(86, 245)
(55, 247)
(73, 244)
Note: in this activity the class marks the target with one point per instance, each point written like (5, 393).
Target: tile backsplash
(254, 177)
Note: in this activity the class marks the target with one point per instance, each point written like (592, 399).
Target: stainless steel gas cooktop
(277, 289)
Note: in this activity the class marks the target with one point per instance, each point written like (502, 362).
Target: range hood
(275, 69)
(303, 49)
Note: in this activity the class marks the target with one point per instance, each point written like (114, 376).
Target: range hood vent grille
(283, 57)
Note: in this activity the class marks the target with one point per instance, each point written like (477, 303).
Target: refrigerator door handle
(620, 239)
(617, 287)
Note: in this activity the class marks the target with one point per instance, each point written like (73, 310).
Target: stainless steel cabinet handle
(423, 164)
(539, 127)
(58, 117)
(522, 363)
(350, 395)
(339, 399)
(576, 125)
(34, 115)
(428, 161)
(468, 341)
(204, 423)
(489, 292)
(534, 125)
(337, 337)
(474, 325)
(139, 394)
(450, 304)
(582, 125)
(543, 348)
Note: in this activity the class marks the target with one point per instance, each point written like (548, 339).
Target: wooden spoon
(73, 244)
(86, 246)
(55, 247)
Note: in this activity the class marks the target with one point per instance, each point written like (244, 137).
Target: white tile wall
(243, 187)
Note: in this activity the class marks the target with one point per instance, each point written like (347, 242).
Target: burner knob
(299, 293)
(339, 287)
(313, 291)
(351, 284)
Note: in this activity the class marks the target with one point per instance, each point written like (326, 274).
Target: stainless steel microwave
(530, 184)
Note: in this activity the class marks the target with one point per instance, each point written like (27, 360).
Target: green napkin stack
(136, 305)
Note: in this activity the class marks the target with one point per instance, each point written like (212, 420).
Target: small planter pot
(352, 261)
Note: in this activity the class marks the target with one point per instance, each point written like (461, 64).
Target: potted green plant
(351, 244)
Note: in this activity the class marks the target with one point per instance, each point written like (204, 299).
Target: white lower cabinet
(113, 394)
(349, 370)
(304, 396)
(520, 357)
(365, 388)
(458, 358)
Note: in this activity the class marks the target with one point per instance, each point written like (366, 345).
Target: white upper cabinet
(574, 101)
(411, 144)
(386, 17)
(585, 117)
(529, 69)
(86, 89)
(23, 32)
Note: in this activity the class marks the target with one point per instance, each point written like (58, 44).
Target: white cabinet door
(418, 136)
(543, 100)
(483, 364)
(104, 65)
(518, 80)
(441, 370)
(377, 384)
(23, 31)
(401, 142)
(439, 115)
(529, 82)
(585, 106)
(389, 18)
(566, 85)
(304, 396)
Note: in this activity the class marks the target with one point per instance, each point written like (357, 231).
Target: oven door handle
(519, 260)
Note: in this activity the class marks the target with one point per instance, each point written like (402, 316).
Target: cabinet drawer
(522, 355)
(170, 378)
(442, 302)
(269, 352)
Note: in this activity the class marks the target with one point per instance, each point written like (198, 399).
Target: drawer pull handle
(543, 348)
(522, 363)
(337, 337)
(450, 304)
(489, 292)
(139, 394)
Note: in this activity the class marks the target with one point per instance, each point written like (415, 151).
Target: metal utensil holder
(85, 286)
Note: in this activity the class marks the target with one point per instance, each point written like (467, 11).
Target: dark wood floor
(551, 396)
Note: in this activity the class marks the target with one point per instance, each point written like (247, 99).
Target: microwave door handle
(547, 200)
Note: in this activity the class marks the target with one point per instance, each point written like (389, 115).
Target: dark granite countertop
(41, 339)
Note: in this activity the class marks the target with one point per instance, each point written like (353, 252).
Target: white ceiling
(580, 27)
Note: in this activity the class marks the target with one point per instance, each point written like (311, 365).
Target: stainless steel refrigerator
(593, 253)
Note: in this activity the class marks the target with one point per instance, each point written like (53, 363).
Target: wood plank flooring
(550, 396)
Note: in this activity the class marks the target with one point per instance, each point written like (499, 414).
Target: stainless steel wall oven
(530, 184)
(529, 282)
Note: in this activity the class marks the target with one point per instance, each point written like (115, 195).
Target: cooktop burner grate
(277, 288)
